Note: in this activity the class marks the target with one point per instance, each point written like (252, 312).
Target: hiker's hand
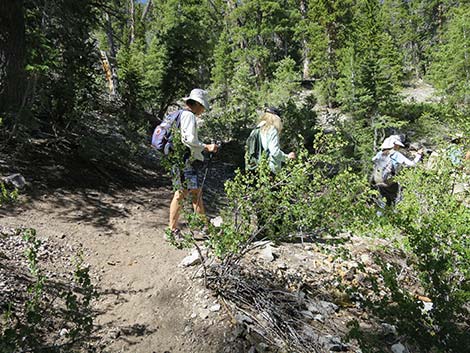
(291, 155)
(212, 147)
(420, 151)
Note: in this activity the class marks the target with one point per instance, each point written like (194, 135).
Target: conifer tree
(326, 25)
(450, 70)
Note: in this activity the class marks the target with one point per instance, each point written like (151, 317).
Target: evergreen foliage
(450, 70)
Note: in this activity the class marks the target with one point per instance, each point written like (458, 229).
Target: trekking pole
(211, 155)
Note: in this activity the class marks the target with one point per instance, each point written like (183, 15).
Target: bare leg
(175, 207)
(198, 204)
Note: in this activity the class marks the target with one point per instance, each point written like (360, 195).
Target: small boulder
(399, 348)
(191, 260)
(15, 180)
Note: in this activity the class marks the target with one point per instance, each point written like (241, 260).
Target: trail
(147, 302)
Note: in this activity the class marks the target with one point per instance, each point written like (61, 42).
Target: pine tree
(450, 70)
(261, 34)
(326, 25)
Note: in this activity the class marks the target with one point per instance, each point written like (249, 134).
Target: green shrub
(7, 196)
(308, 197)
(432, 224)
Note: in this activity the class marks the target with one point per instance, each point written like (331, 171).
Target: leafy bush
(7, 196)
(432, 221)
(310, 196)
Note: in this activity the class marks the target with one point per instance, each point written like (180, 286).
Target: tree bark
(146, 10)
(305, 48)
(110, 36)
(12, 57)
(131, 21)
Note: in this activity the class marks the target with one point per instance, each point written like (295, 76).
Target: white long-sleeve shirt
(270, 142)
(188, 128)
(398, 159)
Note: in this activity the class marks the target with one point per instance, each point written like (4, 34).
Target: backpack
(384, 170)
(253, 149)
(161, 137)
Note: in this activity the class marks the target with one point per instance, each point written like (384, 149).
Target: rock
(191, 260)
(388, 329)
(204, 314)
(267, 253)
(282, 266)
(242, 318)
(366, 260)
(332, 343)
(15, 180)
(322, 307)
(427, 306)
(217, 221)
(63, 332)
(215, 307)
(115, 333)
(399, 348)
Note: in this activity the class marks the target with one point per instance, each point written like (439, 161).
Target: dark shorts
(190, 178)
(391, 193)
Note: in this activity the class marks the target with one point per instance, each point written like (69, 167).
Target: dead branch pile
(259, 301)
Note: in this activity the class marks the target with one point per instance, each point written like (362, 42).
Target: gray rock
(217, 221)
(322, 307)
(215, 307)
(267, 253)
(204, 314)
(399, 348)
(332, 343)
(191, 260)
(388, 329)
(15, 180)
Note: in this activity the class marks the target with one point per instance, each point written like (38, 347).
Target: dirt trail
(147, 303)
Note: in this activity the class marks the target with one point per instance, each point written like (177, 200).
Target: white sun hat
(396, 140)
(387, 144)
(200, 96)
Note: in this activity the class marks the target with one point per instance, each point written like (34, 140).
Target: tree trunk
(12, 57)
(146, 10)
(305, 48)
(131, 21)
(110, 36)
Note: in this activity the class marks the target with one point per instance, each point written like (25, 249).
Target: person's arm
(189, 131)
(273, 146)
(401, 159)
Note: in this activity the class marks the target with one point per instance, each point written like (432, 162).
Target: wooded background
(66, 65)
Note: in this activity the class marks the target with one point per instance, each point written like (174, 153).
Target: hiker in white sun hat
(200, 96)
(189, 180)
(386, 165)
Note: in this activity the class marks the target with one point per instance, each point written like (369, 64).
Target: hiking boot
(175, 234)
